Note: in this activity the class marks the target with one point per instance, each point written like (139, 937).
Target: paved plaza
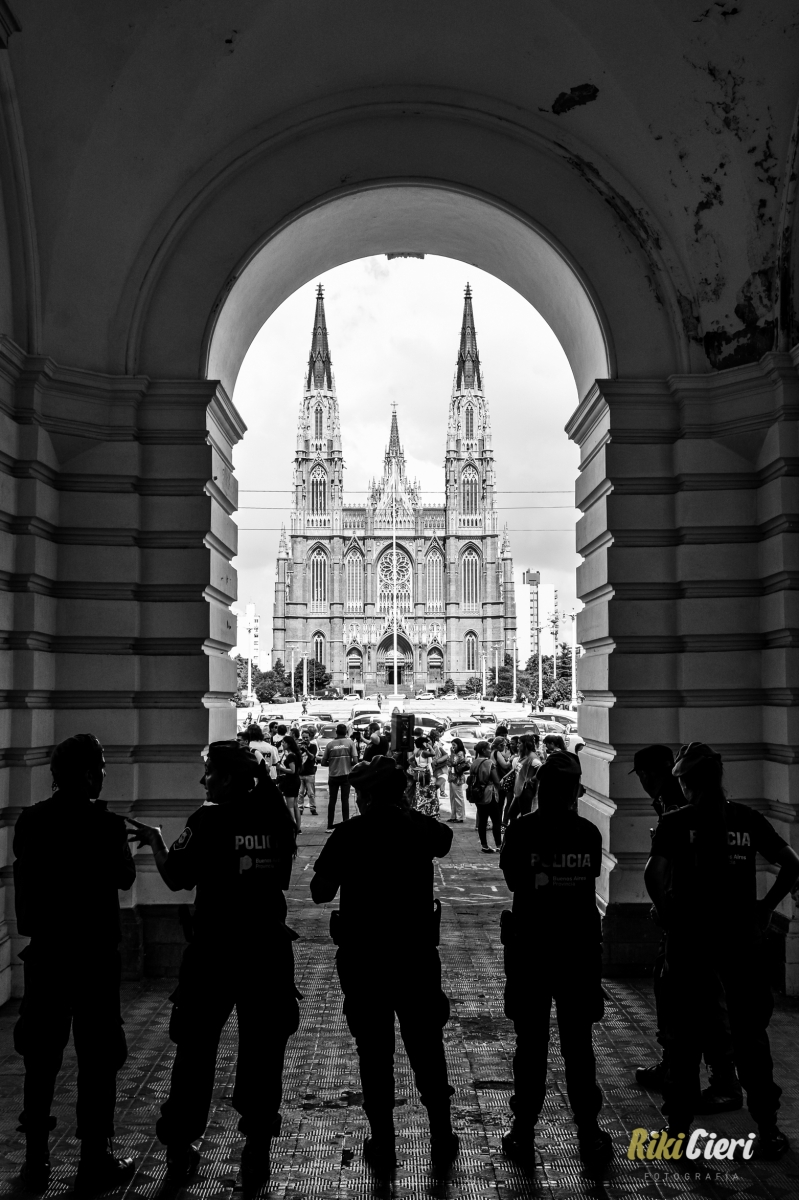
(319, 1151)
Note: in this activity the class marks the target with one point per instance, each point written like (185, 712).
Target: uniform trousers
(718, 1052)
(259, 984)
(335, 784)
(377, 986)
(696, 972)
(63, 991)
(535, 976)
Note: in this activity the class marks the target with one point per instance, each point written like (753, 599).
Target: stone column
(689, 489)
(119, 536)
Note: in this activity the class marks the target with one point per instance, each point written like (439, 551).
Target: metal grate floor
(318, 1154)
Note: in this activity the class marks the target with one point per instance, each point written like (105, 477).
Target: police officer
(72, 858)
(702, 879)
(237, 851)
(551, 859)
(387, 960)
(653, 766)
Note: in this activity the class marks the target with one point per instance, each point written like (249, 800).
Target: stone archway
(400, 669)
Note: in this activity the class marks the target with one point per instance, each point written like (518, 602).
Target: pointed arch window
(470, 582)
(318, 581)
(470, 505)
(353, 571)
(469, 423)
(318, 419)
(318, 492)
(470, 645)
(319, 648)
(435, 582)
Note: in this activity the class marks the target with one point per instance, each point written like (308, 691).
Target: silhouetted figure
(551, 859)
(702, 879)
(72, 857)
(237, 851)
(387, 960)
(653, 766)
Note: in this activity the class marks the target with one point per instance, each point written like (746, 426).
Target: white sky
(394, 329)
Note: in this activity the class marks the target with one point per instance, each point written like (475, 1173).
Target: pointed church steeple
(469, 374)
(394, 447)
(320, 377)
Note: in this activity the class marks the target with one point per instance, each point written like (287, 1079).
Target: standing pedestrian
(309, 751)
(339, 757)
(425, 790)
(553, 951)
(253, 739)
(525, 784)
(378, 742)
(439, 764)
(482, 790)
(71, 861)
(704, 862)
(387, 960)
(458, 770)
(653, 765)
(358, 743)
(237, 850)
(288, 776)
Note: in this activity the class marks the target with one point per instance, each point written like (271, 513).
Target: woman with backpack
(483, 791)
(458, 770)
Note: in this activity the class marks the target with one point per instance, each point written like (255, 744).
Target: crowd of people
(72, 857)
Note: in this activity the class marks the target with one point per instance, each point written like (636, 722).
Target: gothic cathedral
(336, 572)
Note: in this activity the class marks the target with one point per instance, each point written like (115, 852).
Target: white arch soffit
(421, 218)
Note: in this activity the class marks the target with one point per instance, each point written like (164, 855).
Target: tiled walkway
(319, 1152)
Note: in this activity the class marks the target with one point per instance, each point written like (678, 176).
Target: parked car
(320, 717)
(284, 698)
(330, 693)
(426, 721)
(325, 734)
(366, 710)
(425, 696)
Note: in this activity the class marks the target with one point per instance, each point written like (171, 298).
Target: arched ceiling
(160, 143)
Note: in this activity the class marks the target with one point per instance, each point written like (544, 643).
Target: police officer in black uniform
(72, 858)
(237, 851)
(551, 859)
(653, 766)
(702, 879)
(387, 960)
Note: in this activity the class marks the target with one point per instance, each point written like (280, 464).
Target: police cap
(231, 758)
(691, 755)
(651, 758)
(561, 764)
(380, 771)
(75, 756)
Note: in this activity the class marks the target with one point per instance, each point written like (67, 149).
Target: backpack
(480, 791)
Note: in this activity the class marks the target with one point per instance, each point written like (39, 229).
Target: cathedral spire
(469, 375)
(394, 447)
(320, 377)
(283, 548)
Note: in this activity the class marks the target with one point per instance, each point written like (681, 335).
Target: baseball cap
(691, 755)
(652, 757)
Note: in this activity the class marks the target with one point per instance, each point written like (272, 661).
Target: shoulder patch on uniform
(182, 841)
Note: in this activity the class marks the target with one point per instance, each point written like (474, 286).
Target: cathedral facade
(338, 572)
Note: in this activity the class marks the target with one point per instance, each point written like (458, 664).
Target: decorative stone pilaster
(689, 490)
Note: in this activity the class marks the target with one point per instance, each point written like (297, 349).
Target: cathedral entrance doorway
(387, 667)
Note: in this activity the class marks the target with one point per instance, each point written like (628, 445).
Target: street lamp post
(483, 669)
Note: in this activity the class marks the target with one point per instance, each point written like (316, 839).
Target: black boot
(182, 1161)
(519, 1142)
(596, 1145)
(651, 1077)
(255, 1164)
(35, 1173)
(379, 1149)
(770, 1143)
(99, 1170)
(444, 1143)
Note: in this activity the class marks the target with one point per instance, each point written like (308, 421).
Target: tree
(555, 691)
(449, 685)
(318, 677)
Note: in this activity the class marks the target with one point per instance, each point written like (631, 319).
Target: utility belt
(339, 935)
